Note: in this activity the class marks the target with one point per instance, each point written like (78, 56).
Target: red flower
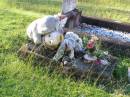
(98, 62)
(90, 44)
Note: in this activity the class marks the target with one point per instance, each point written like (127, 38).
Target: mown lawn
(19, 78)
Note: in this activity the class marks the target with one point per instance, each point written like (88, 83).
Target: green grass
(110, 9)
(19, 78)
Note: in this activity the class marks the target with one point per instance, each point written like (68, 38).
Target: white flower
(106, 52)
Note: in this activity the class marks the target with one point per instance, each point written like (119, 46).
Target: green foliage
(19, 78)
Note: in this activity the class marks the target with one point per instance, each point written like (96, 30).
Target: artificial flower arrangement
(93, 53)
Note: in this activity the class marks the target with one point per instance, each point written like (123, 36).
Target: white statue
(45, 25)
(72, 42)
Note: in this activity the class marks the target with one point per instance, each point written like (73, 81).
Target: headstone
(68, 5)
(73, 14)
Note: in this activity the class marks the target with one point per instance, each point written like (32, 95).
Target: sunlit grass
(118, 10)
(20, 78)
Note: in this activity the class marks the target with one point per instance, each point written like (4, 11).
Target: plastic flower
(98, 62)
(91, 44)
